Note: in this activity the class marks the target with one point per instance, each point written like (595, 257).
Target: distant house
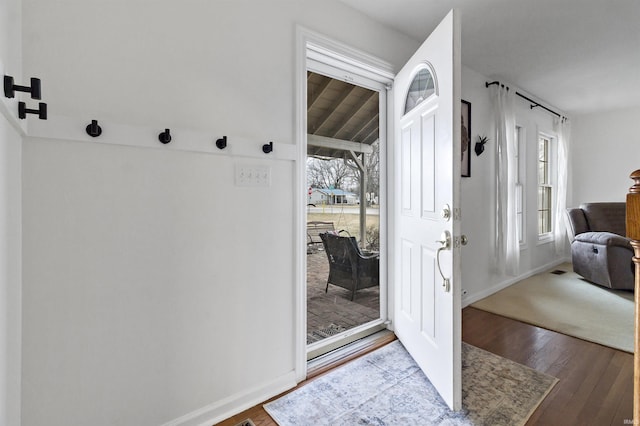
(332, 196)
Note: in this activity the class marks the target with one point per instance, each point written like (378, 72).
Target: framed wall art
(466, 139)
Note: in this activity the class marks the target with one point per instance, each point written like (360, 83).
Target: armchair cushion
(599, 250)
(606, 217)
(604, 239)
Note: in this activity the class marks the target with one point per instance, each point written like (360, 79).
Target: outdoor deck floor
(332, 312)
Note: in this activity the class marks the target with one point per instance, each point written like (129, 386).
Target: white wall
(154, 288)
(605, 150)
(10, 273)
(10, 217)
(11, 40)
(478, 195)
(223, 65)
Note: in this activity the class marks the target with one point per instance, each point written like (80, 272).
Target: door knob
(445, 240)
(464, 240)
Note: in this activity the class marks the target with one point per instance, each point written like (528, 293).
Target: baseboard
(234, 404)
(472, 298)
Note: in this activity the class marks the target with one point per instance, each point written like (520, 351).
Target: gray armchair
(600, 251)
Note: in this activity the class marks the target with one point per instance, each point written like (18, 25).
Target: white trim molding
(312, 49)
(331, 52)
(472, 298)
(73, 129)
(233, 404)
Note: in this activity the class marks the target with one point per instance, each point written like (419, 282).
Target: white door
(427, 308)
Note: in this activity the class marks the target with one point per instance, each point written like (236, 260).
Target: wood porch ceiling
(342, 112)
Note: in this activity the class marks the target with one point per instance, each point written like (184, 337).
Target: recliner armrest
(605, 239)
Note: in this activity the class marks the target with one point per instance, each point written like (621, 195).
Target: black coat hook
(41, 111)
(222, 142)
(165, 137)
(10, 88)
(267, 148)
(93, 129)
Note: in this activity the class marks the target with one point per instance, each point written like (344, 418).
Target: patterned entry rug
(386, 387)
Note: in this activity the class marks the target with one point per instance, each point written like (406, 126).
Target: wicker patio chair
(348, 267)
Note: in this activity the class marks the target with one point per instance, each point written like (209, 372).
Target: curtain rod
(533, 103)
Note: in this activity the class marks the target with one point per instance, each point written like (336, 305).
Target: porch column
(359, 160)
(363, 207)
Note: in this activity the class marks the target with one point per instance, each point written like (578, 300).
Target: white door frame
(314, 46)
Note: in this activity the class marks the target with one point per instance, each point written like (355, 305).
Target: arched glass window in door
(422, 87)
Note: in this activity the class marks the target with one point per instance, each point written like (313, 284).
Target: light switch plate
(247, 175)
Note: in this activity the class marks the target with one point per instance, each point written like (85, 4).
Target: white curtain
(506, 242)
(562, 130)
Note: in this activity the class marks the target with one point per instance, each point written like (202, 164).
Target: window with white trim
(545, 187)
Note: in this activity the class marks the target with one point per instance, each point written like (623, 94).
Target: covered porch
(333, 312)
(343, 128)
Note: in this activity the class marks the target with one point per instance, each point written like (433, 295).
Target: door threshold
(344, 354)
(317, 349)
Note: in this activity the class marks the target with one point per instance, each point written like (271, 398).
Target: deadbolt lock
(446, 212)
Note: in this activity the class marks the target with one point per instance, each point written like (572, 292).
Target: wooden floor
(596, 382)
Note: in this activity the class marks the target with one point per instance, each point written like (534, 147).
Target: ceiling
(580, 56)
(341, 117)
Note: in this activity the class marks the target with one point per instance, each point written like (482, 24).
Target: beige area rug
(569, 305)
(386, 387)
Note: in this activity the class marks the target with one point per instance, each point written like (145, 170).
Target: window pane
(519, 211)
(544, 209)
(540, 225)
(540, 197)
(544, 186)
(547, 220)
(517, 154)
(421, 88)
(543, 161)
(520, 228)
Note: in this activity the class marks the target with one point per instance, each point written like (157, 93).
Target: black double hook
(41, 111)
(35, 90)
(10, 88)
(267, 147)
